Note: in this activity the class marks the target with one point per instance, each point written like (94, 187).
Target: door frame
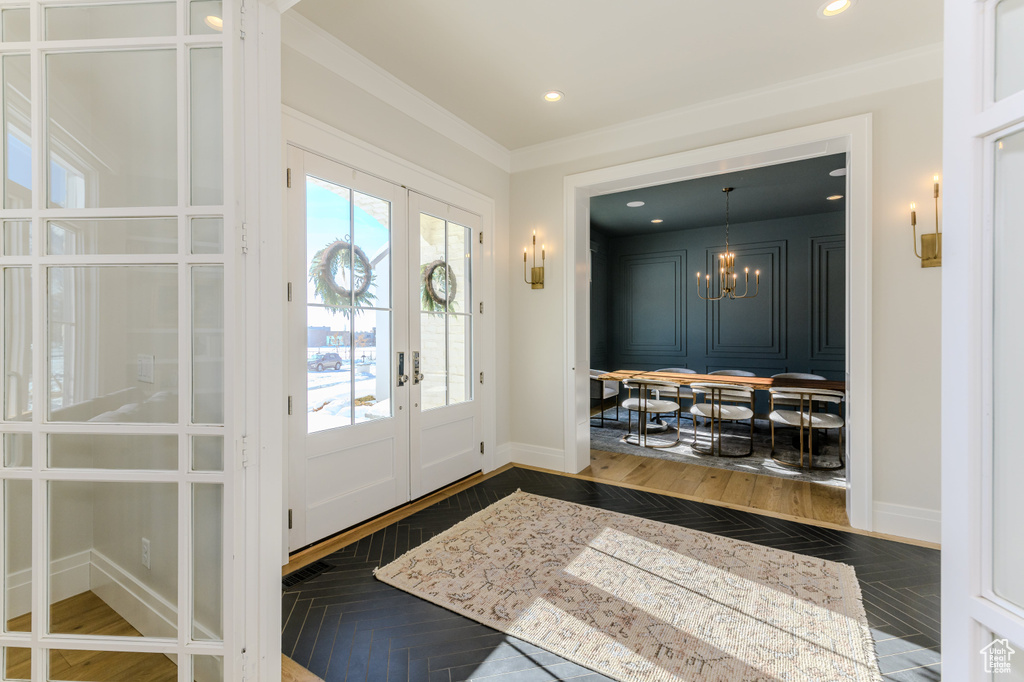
(850, 135)
(306, 132)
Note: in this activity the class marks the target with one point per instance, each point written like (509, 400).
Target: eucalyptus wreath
(438, 286)
(337, 256)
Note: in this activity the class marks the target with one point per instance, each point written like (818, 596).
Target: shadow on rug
(826, 447)
(644, 601)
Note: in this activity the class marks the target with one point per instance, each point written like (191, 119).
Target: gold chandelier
(727, 270)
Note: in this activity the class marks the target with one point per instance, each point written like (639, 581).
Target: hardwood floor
(343, 624)
(86, 613)
(801, 499)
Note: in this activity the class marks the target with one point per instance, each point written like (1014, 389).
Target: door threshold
(306, 555)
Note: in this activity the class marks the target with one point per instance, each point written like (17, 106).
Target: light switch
(145, 368)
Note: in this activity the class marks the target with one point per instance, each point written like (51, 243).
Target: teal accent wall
(650, 316)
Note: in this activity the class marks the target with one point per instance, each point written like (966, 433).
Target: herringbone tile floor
(342, 624)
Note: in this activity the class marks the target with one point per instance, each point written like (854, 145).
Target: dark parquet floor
(342, 624)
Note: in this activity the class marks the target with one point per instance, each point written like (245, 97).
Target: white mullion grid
(112, 44)
(112, 212)
(39, 571)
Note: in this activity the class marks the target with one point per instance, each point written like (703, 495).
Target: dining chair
(712, 402)
(602, 391)
(794, 400)
(644, 405)
(679, 392)
(735, 397)
(806, 417)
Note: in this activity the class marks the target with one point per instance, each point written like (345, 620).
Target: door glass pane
(206, 16)
(207, 121)
(17, 237)
(1009, 48)
(112, 235)
(125, 153)
(208, 668)
(459, 260)
(18, 555)
(460, 360)
(328, 236)
(208, 344)
(17, 344)
(328, 370)
(207, 235)
(372, 365)
(17, 663)
(433, 348)
(207, 453)
(17, 450)
(433, 275)
(1008, 329)
(15, 25)
(121, 20)
(17, 131)
(113, 343)
(122, 527)
(207, 561)
(109, 451)
(372, 235)
(68, 665)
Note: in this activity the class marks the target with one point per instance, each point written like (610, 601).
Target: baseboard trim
(537, 456)
(909, 522)
(68, 576)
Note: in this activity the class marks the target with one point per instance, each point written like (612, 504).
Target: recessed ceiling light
(830, 9)
(214, 22)
(553, 96)
(838, 173)
(834, 197)
(635, 204)
(657, 220)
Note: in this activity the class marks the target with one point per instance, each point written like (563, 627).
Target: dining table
(756, 383)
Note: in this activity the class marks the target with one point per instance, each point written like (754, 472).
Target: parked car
(322, 360)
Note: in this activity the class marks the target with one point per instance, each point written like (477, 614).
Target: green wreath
(337, 256)
(439, 287)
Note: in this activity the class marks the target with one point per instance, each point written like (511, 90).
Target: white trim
(900, 70)
(851, 135)
(502, 455)
(534, 455)
(68, 576)
(908, 522)
(305, 37)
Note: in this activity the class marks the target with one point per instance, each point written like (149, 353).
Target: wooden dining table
(756, 383)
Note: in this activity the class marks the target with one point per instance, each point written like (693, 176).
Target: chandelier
(727, 270)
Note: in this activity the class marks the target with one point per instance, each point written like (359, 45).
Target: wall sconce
(931, 244)
(536, 279)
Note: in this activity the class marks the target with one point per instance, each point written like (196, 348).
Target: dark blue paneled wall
(645, 313)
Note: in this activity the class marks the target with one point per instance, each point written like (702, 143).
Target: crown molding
(310, 40)
(900, 70)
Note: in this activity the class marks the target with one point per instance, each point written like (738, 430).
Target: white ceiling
(489, 62)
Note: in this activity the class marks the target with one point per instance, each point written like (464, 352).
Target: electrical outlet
(145, 552)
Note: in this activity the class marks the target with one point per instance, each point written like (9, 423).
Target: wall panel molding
(654, 304)
(752, 327)
(828, 297)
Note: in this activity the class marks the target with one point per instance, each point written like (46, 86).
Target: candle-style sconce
(536, 278)
(931, 244)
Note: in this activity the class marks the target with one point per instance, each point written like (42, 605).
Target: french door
(983, 471)
(381, 351)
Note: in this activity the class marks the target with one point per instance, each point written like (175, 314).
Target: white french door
(380, 359)
(983, 367)
(446, 443)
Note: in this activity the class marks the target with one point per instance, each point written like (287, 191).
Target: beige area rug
(641, 600)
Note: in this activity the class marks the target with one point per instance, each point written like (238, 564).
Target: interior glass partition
(116, 340)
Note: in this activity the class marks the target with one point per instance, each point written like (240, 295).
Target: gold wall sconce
(931, 244)
(536, 278)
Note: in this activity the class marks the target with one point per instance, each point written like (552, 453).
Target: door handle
(417, 376)
(402, 377)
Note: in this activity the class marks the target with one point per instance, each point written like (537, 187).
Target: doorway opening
(850, 136)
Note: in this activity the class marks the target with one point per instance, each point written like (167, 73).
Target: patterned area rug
(734, 441)
(644, 601)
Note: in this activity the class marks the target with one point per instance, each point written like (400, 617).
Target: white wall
(318, 92)
(906, 302)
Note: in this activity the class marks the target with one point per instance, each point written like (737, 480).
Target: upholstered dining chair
(735, 397)
(712, 402)
(809, 415)
(644, 405)
(781, 399)
(602, 391)
(677, 392)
